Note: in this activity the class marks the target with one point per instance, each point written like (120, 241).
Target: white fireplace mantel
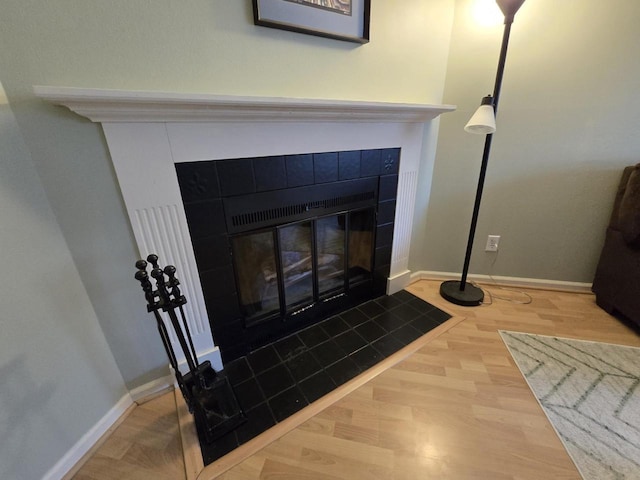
(149, 132)
(140, 106)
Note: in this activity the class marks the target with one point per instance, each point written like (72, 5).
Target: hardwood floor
(456, 409)
(145, 446)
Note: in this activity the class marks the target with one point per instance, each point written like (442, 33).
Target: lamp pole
(459, 292)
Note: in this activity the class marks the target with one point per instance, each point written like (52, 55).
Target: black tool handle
(153, 260)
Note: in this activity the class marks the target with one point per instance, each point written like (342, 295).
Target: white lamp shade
(483, 121)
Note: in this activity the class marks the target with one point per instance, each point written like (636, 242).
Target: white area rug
(590, 392)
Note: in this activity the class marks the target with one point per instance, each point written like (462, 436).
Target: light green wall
(213, 46)
(202, 46)
(567, 124)
(57, 374)
(69, 248)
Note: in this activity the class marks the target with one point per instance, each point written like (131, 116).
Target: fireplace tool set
(208, 394)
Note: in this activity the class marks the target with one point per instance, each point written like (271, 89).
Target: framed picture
(338, 19)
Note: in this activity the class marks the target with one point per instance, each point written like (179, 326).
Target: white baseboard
(544, 284)
(213, 355)
(149, 390)
(398, 282)
(88, 440)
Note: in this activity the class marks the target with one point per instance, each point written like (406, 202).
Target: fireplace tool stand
(208, 395)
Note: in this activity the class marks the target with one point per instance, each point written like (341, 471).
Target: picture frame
(346, 20)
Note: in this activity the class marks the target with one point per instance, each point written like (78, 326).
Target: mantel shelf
(99, 105)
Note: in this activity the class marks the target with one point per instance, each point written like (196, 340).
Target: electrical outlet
(492, 243)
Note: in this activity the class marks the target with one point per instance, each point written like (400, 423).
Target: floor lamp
(482, 122)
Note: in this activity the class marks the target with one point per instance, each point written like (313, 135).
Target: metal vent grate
(265, 209)
(272, 214)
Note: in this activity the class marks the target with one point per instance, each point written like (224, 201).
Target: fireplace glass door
(330, 235)
(296, 259)
(254, 256)
(285, 269)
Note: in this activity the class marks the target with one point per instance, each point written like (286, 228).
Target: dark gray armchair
(617, 280)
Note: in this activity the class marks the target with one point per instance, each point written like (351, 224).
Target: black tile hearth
(343, 370)
(276, 381)
(328, 353)
(313, 336)
(389, 301)
(425, 323)
(388, 321)
(249, 394)
(370, 331)
(259, 419)
(406, 334)
(367, 357)
(263, 359)
(317, 386)
(238, 371)
(387, 345)
(334, 326)
(303, 366)
(289, 347)
(371, 309)
(355, 316)
(350, 342)
(287, 403)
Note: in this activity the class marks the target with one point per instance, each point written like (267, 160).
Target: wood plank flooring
(145, 446)
(456, 409)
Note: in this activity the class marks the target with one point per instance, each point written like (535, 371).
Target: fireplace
(149, 133)
(282, 242)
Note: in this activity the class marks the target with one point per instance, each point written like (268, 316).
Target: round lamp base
(469, 297)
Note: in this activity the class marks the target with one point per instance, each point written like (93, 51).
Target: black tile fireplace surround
(211, 191)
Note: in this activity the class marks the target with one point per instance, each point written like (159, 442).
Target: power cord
(527, 298)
